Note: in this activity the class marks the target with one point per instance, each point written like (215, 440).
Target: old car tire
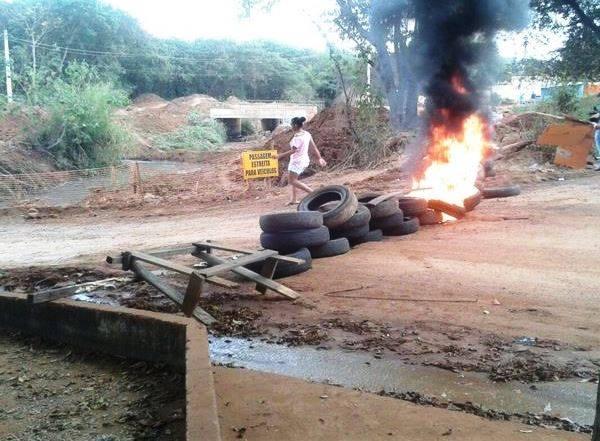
(295, 220)
(341, 213)
(409, 226)
(359, 219)
(375, 236)
(384, 223)
(351, 234)
(412, 207)
(335, 247)
(384, 208)
(287, 269)
(290, 241)
(473, 201)
(501, 192)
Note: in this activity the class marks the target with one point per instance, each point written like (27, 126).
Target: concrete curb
(177, 341)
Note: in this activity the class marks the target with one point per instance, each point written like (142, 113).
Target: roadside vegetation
(73, 123)
(198, 135)
(74, 62)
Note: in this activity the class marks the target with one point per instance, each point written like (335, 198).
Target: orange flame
(454, 162)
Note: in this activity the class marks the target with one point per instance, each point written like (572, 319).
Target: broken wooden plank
(179, 268)
(145, 274)
(268, 271)
(207, 246)
(453, 210)
(50, 295)
(192, 293)
(251, 275)
(228, 265)
(117, 259)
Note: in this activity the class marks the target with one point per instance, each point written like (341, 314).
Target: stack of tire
(292, 234)
(388, 215)
(347, 219)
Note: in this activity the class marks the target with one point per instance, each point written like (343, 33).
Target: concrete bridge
(270, 114)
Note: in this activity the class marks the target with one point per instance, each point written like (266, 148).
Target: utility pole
(9, 91)
(368, 74)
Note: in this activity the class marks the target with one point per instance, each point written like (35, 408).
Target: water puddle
(566, 399)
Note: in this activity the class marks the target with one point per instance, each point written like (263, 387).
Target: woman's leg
(295, 183)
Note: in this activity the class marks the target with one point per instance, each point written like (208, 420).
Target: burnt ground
(54, 392)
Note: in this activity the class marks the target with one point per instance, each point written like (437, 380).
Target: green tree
(579, 58)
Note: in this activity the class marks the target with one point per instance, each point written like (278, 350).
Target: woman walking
(301, 146)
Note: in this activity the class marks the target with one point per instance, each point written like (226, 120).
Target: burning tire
(287, 269)
(409, 226)
(431, 217)
(296, 220)
(291, 241)
(473, 201)
(388, 222)
(359, 219)
(335, 247)
(351, 234)
(412, 207)
(384, 208)
(341, 213)
(501, 192)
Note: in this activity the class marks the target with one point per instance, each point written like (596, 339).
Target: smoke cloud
(458, 54)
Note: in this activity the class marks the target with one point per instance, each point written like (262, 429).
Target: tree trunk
(411, 117)
(396, 101)
(34, 71)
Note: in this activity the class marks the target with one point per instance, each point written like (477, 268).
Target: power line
(91, 52)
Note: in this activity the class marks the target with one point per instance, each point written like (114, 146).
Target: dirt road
(536, 255)
(524, 271)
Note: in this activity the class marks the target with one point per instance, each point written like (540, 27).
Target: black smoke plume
(458, 54)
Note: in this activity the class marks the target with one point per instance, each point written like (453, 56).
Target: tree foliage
(76, 127)
(579, 58)
(46, 35)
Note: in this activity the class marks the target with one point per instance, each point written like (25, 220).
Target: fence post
(139, 178)
(113, 177)
(596, 429)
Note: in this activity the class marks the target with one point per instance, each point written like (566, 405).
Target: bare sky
(301, 24)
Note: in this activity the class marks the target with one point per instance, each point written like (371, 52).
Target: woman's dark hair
(298, 121)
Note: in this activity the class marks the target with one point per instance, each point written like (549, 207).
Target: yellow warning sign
(258, 164)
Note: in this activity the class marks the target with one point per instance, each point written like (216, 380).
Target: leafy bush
(564, 100)
(247, 128)
(370, 131)
(75, 125)
(206, 135)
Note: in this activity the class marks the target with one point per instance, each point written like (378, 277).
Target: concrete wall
(180, 342)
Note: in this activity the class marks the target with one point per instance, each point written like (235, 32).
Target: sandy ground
(51, 392)
(257, 406)
(524, 266)
(540, 264)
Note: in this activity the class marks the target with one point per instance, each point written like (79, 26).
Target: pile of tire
(394, 216)
(292, 234)
(347, 219)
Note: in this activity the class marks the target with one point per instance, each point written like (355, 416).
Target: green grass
(205, 135)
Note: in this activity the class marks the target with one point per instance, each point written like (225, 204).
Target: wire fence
(72, 187)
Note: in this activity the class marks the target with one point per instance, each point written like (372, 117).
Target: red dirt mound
(330, 130)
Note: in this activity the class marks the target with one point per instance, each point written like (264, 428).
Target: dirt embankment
(14, 156)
